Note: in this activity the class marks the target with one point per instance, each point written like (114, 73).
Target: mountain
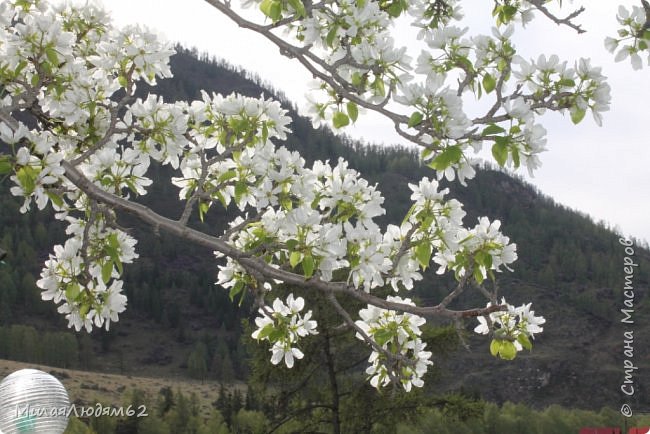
(179, 323)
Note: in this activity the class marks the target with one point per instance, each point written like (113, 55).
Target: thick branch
(252, 264)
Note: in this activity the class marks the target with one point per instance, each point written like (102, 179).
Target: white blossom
(290, 325)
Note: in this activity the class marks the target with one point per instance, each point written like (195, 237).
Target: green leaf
(356, 79)
(577, 115)
(478, 275)
(331, 35)
(508, 350)
(295, 258)
(427, 221)
(265, 132)
(19, 69)
(83, 310)
(465, 63)
(507, 13)
(515, 157)
(6, 166)
(266, 331)
(286, 202)
(501, 65)
(415, 119)
(203, 209)
(55, 198)
(353, 111)
(423, 253)
(272, 9)
(308, 265)
(524, 341)
(240, 190)
(408, 214)
(52, 56)
(27, 177)
(483, 258)
(237, 124)
(299, 7)
(72, 291)
(221, 198)
(113, 245)
(236, 289)
(379, 86)
(500, 153)
(493, 129)
(292, 244)
(382, 336)
(107, 270)
(227, 176)
(112, 250)
(489, 83)
(446, 158)
(24, 4)
(122, 81)
(567, 82)
(495, 347)
(35, 80)
(340, 119)
(395, 10)
(275, 335)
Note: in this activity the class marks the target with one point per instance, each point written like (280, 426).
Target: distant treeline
(171, 412)
(26, 344)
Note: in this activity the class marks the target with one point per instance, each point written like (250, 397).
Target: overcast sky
(601, 171)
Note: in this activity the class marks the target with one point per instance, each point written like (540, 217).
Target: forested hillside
(179, 323)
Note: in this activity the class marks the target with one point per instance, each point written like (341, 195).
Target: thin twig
(566, 21)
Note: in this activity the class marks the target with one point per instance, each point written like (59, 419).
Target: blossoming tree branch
(75, 138)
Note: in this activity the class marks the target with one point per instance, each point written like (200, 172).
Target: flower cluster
(401, 354)
(37, 168)
(480, 251)
(512, 329)
(70, 63)
(317, 220)
(427, 15)
(91, 291)
(633, 37)
(283, 326)
(353, 38)
(577, 89)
